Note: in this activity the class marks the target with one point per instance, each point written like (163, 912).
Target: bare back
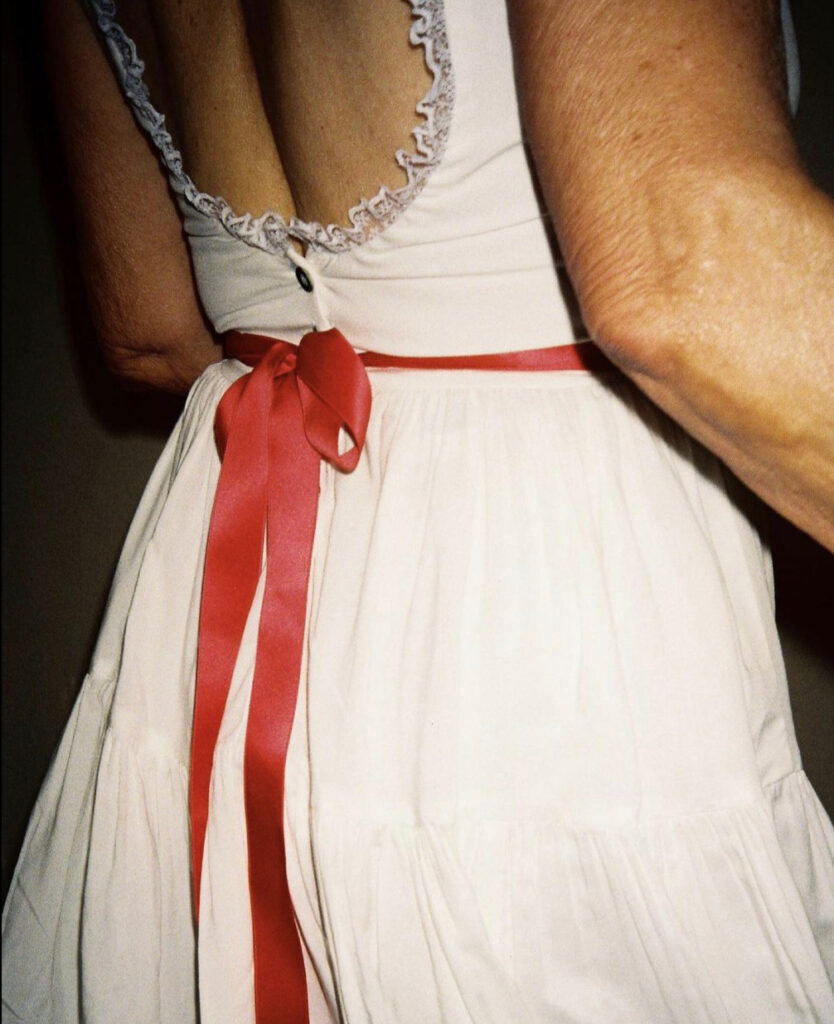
(297, 107)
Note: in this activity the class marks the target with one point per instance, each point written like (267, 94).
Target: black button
(303, 279)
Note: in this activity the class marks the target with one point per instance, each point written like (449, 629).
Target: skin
(340, 103)
(129, 240)
(702, 255)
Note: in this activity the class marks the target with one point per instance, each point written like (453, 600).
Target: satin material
(273, 427)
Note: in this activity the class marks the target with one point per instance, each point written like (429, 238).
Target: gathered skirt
(542, 768)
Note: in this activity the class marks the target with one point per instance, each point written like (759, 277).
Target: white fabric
(543, 769)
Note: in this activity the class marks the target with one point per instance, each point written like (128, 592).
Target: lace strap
(270, 231)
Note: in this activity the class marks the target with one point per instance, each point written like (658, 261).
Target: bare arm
(130, 244)
(702, 255)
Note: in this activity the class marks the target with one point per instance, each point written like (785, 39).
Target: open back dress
(542, 768)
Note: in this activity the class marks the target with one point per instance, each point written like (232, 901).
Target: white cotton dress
(542, 769)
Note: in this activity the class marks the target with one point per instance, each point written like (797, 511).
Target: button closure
(303, 279)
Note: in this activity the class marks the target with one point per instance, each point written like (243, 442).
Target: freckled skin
(702, 255)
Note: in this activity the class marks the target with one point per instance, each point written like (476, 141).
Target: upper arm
(643, 117)
(129, 239)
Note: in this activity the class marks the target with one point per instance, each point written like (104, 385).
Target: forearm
(702, 257)
(725, 318)
(128, 238)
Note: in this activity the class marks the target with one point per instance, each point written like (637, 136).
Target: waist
(445, 303)
(583, 356)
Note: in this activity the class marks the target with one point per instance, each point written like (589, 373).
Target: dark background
(78, 448)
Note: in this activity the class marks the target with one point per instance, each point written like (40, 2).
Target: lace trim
(270, 231)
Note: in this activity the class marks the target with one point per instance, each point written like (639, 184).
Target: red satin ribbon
(273, 427)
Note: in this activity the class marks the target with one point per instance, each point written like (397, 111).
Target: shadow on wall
(78, 447)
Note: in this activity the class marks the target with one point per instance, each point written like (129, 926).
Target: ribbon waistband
(273, 427)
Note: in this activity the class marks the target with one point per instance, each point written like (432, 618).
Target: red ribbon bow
(273, 427)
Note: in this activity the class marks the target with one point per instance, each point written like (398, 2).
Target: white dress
(542, 769)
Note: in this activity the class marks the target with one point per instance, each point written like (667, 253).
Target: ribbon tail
(232, 568)
(280, 982)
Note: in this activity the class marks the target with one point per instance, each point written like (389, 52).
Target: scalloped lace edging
(270, 231)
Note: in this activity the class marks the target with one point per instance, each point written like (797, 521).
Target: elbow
(149, 339)
(643, 330)
(143, 368)
(635, 291)
(700, 268)
(158, 359)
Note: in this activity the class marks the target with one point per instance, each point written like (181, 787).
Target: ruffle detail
(42, 915)
(138, 884)
(270, 231)
(692, 920)
(806, 838)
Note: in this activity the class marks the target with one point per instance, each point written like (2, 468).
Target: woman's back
(401, 208)
(296, 107)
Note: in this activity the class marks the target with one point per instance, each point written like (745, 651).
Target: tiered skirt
(542, 768)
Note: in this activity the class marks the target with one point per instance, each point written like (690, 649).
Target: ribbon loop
(335, 393)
